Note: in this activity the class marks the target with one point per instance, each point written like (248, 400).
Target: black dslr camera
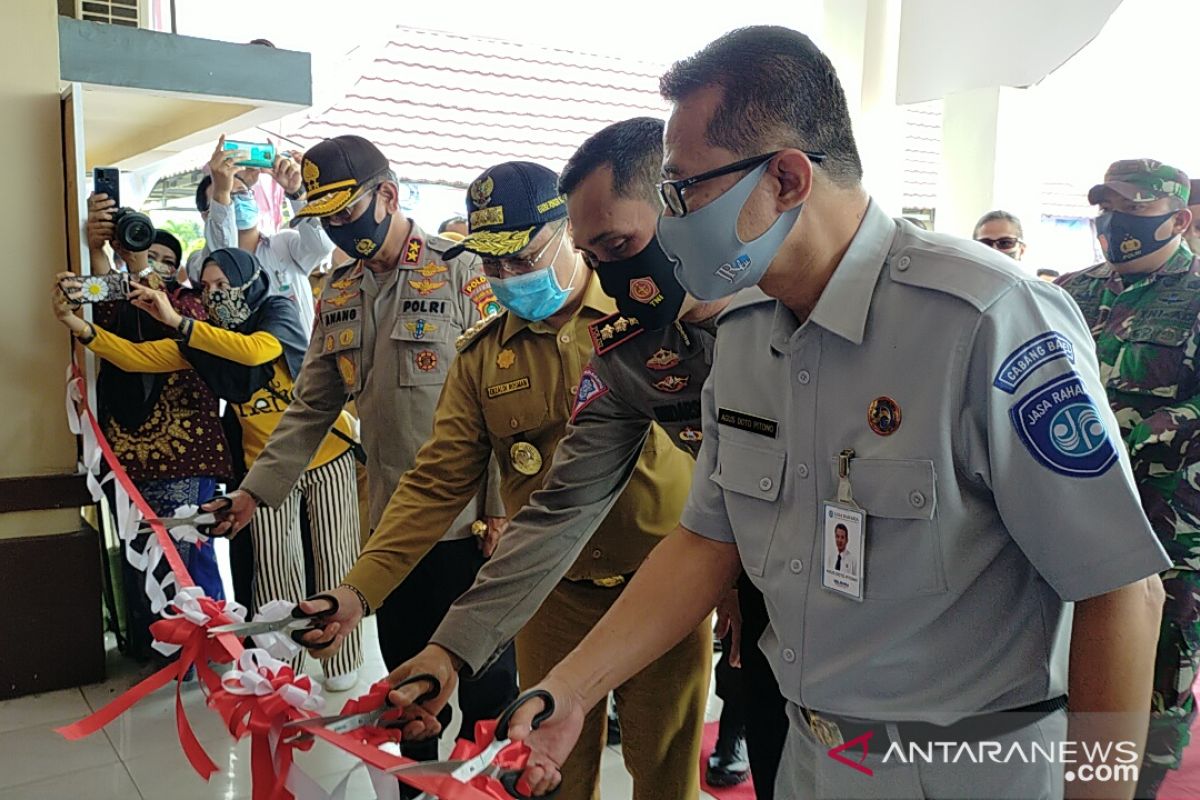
(132, 230)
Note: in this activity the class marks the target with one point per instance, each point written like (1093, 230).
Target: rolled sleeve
(705, 514)
(1049, 448)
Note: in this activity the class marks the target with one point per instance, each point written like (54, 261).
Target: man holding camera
(231, 218)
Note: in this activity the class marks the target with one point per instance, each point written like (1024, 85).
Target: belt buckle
(609, 583)
(827, 732)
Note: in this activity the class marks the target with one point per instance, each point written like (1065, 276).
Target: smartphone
(107, 180)
(257, 154)
(108, 288)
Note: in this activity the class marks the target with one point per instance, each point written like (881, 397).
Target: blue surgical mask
(1125, 237)
(245, 211)
(533, 296)
(711, 260)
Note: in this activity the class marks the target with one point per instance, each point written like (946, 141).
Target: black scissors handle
(509, 781)
(298, 614)
(424, 677)
(223, 503)
(543, 715)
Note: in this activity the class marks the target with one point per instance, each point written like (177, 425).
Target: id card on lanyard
(844, 537)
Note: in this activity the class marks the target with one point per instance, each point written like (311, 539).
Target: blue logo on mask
(732, 271)
(1061, 427)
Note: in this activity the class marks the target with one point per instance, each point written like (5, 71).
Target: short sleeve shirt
(996, 492)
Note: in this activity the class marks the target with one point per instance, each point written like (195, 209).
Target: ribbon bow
(186, 631)
(513, 757)
(258, 697)
(376, 697)
(278, 643)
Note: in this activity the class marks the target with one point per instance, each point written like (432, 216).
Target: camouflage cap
(1142, 180)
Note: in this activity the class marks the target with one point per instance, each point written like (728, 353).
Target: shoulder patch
(613, 331)
(471, 334)
(1022, 362)
(949, 265)
(591, 387)
(1062, 429)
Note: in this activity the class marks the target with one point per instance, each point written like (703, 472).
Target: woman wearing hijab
(249, 352)
(163, 428)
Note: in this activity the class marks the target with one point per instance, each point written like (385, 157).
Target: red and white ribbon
(278, 643)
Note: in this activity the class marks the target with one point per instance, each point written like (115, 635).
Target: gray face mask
(711, 260)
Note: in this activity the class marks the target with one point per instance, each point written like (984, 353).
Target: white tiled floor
(138, 755)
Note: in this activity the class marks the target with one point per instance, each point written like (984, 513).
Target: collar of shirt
(595, 304)
(844, 304)
(1181, 260)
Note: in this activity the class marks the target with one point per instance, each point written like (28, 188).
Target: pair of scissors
(295, 625)
(465, 769)
(345, 723)
(200, 520)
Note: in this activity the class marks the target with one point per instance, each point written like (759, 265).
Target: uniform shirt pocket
(750, 477)
(424, 348)
(517, 416)
(1151, 359)
(904, 553)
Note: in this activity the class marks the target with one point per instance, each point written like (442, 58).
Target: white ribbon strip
(253, 676)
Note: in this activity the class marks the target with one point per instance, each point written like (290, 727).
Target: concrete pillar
(990, 159)
(34, 439)
(862, 38)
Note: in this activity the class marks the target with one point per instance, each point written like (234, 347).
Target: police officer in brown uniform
(384, 337)
(511, 391)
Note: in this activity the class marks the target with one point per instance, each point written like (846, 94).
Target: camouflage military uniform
(1147, 331)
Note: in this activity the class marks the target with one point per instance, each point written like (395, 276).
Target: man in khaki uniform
(384, 337)
(511, 392)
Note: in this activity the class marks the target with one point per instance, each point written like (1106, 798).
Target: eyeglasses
(499, 267)
(671, 192)
(1004, 243)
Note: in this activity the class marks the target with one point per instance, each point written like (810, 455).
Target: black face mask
(363, 237)
(644, 286)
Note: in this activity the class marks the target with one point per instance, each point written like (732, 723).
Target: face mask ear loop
(571, 282)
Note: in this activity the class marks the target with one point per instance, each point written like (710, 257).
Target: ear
(794, 172)
(1183, 221)
(389, 192)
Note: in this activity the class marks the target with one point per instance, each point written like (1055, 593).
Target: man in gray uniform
(926, 395)
(384, 336)
(650, 373)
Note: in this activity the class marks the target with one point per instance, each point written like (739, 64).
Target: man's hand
(223, 168)
(332, 626)
(65, 301)
(232, 518)
(100, 228)
(434, 660)
(155, 303)
(491, 538)
(729, 623)
(554, 739)
(287, 174)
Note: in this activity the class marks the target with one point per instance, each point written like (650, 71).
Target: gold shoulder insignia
(613, 331)
(471, 334)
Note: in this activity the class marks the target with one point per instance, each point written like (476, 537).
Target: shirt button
(765, 484)
(802, 470)
(903, 263)
(512, 423)
(916, 499)
(789, 655)
(574, 391)
(804, 377)
(796, 565)
(597, 553)
(565, 338)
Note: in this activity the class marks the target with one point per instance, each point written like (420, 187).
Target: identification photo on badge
(845, 534)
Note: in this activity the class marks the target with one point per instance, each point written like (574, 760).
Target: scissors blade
(339, 723)
(196, 520)
(257, 628)
(429, 768)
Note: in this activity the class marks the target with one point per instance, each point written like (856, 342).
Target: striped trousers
(331, 496)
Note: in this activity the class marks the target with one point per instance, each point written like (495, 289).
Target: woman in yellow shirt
(249, 353)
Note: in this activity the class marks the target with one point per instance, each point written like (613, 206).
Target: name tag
(748, 422)
(507, 388)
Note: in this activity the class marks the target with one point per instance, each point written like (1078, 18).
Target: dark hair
(1002, 216)
(632, 148)
(202, 193)
(778, 90)
(168, 240)
(446, 223)
(841, 527)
